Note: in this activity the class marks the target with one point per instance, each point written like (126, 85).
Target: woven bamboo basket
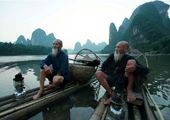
(81, 73)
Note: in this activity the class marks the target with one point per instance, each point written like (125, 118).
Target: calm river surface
(81, 104)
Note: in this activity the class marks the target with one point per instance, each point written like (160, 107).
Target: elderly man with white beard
(60, 75)
(117, 65)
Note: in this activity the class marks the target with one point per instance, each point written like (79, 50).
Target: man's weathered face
(56, 44)
(56, 47)
(120, 47)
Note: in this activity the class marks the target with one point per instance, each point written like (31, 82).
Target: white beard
(117, 56)
(54, 51)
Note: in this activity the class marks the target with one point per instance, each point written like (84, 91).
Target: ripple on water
(165, 112)
(160, 101)
(149, 84)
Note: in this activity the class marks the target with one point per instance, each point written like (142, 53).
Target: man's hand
(47, 70)
(130, 68)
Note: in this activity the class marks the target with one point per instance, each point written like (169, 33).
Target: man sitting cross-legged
(118, 64)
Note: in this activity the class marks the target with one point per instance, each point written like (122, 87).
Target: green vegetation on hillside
(148, 31)
(145, 26)
(20, 49)
(161, 46)
(156, 38)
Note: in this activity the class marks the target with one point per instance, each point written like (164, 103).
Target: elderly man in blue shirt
(60, 74)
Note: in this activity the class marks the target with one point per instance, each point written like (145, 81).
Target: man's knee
(98, 73)
(59, 79)
(131, 62)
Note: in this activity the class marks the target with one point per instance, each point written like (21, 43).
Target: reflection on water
(96, 86)
(7, 59)
(29, 69)
(159, 80)
(77, 106)
(85, 100)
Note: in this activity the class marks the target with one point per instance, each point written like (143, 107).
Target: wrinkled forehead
(120, 44)
(56, 42)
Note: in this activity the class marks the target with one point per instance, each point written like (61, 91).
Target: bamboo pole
(98, 112)
(105, 111)
(33, 102)
(157, 108)
(6, 105)
(6, 97)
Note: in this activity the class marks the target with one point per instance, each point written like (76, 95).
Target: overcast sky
(69, 20)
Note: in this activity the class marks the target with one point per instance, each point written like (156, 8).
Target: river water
(81, 104)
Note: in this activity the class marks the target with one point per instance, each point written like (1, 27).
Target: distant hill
(39, 37)
(89, 45)
(148, 29)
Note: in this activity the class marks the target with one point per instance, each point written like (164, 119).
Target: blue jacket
(60, 64)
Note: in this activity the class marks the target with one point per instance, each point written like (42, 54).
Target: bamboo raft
(81, 75)
(25, 108)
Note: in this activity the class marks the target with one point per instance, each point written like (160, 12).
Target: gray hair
(61, 42)
(125, 43)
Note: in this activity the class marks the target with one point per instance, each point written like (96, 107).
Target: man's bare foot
(38, 95)
(130, 96)
(50, 86)
(106, 102)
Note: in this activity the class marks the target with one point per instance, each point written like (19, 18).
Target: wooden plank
(137, 115)
(105, 112)
(150, 115)
(7, 101)
(98, 112)
(126, 111)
